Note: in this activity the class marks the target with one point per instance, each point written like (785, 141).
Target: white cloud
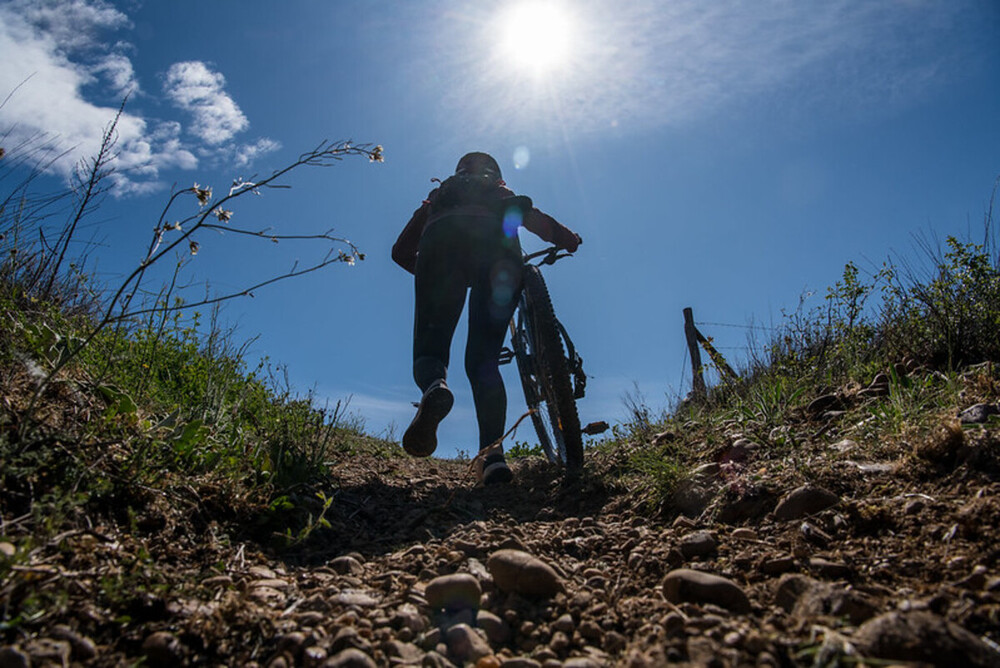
(196, 89)
(247, 153)
(59, 57)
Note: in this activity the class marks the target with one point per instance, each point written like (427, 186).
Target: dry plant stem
(325, 154)
(472, 464)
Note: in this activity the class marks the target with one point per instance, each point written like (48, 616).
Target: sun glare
(537, 36)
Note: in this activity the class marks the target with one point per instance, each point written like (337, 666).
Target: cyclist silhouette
(463, 239)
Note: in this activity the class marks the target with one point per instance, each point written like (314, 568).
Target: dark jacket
(404, 251)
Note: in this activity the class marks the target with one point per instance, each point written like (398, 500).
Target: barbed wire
(729, 324)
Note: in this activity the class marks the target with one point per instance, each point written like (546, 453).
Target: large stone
(923, 637)
(805, 500)
(519, 572)
(459, 591)
(685, 585)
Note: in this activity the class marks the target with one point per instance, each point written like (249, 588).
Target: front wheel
(545, 374)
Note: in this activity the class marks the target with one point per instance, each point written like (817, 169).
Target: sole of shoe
(420, 438)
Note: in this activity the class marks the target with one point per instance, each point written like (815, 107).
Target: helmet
(479, 164)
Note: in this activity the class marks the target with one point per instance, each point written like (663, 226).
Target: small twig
(475, 459)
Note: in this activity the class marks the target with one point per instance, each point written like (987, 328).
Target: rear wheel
(545, 374)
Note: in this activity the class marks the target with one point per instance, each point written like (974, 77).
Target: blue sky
(729, 156)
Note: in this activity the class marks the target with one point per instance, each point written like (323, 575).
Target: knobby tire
(545, 376)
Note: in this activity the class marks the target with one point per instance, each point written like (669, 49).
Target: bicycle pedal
(506, 355)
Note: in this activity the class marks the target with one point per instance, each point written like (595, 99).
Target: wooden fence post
(691, 333)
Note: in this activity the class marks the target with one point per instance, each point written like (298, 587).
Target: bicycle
(550, 373)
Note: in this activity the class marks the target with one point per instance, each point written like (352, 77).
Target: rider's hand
(571, 243)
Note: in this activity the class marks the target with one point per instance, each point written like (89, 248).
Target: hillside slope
(831, 537)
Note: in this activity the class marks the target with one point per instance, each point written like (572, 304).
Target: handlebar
(551, 255)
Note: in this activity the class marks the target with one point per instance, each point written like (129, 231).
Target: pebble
(347, 565)
(355, 597)
(349, 658)
(14, 657)
(805, 500)
(497, 631)
(564, 623)
(744, 533)
(163, 649)
(83, 647)
(519, 572)
(698, 544)
(923, 637)
(778, 565)
(460, 591)
(465, 644)
(520, 662)
(685, 585)
(829, 569)
(978, 414)
(7, 549)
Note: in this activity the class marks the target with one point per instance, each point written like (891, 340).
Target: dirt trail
(870, 558)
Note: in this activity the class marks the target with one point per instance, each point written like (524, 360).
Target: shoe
(420, 438)
(491, 467)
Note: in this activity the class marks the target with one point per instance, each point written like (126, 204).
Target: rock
(163, 649)
(978, 414)
(497, 631)
(347, 637)
(406, 653)
(559, 642)
(826, 402)
(520, 662)
(744, 533)
(776, 565)
(689, 586)
(923, 637)
(519, 572)
(14, 657)
(581, 662)
(805, 500)
(313, 656)
(271, 583)
(434, 660)
(347, 565)
(465, 644)
(7, 549)
(83, 648)
(591, 630)
(48, 652)
(805, 598)
(350, 658)
(460, 591)
(614, 642)
(408, 617)
(564, 623)
(697, 544)
(829, 569)
(357, 598)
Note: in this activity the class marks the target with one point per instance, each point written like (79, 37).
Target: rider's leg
(492, 300)
(440, 287)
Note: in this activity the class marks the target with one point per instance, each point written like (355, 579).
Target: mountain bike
(550, 368)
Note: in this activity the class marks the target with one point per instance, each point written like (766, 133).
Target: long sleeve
(404, 251)
(551, 230)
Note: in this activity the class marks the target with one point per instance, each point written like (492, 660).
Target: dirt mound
(883, 559)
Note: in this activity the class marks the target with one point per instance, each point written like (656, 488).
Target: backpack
(465, 189)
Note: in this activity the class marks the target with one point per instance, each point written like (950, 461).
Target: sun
(537, 36)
